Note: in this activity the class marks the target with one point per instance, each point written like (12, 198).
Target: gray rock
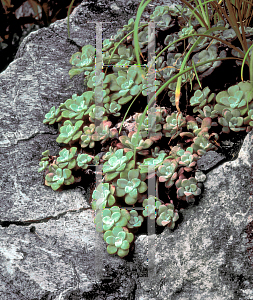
(209, 160)
(49, 248)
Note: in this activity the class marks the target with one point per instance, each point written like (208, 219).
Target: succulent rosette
(130, 186)
(167, 172)
(187, 188)
(135, 219)
(236, 97)
(187, 159)
(66, 158)
(103, 196)
(173, 125)
(118, 240)
(167, 216)
(151, 205)
(108, 218)
(134, 141)
(117, 163)
(57, 177)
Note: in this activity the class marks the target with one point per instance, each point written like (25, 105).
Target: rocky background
(48, 242)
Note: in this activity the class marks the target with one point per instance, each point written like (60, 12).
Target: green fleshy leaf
(143, 187)
(55, 186)
(111, 249)
(66, 173)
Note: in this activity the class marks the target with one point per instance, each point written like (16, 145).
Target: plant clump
(162, 144)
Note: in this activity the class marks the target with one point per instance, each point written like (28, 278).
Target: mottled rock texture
(48, 239)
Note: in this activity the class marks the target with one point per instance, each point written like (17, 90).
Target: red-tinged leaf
(186, 134)
(164, 223)
(162, 179)
(187, 194)
(206, 123)
(192, 164)
(143, 152)
(189, 118)
(187, 169)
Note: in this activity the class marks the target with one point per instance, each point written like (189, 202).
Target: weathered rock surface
(48, 243)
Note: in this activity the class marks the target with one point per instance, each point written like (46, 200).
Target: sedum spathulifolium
(163, 145)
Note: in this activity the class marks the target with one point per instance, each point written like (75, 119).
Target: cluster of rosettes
(232, 108)
(136, 157)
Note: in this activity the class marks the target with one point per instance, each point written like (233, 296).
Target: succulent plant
(173, 125)
(84, 61)
(151, 205)
(237, 54)
(192, 125)
(97, 113)
(150, 126)
(78, 106)
(126, 57)
(83, 160)
(148, 88)
(149, 165)
(110, 217)
(161, 16)
(103, 196)
(187, 188)
(103, 132)
(133, 141)
(167, 172)
(107, 44)
(111, 151)
(167, 216)
(118, 162)
(187, 159)
(126, 28)
(111, 84)
(170, 39)
(129, 185)
(204, 55)
(44, 162)
(201, 98)
(228, 34)
(236, 96)
(173, 63)
(130, 84)
(203, 42)
(66, 158)
(96, 80)
(135, 219)
(156, 152)
(119, 240)
(143, 39)
(113, 108)
(69, 132)
(124, 174)
(52, 116)
(186, 31)
(231, 119)
(86, 137)
(57, 177)
(201, 143)
(207, 111)
(250, 117)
